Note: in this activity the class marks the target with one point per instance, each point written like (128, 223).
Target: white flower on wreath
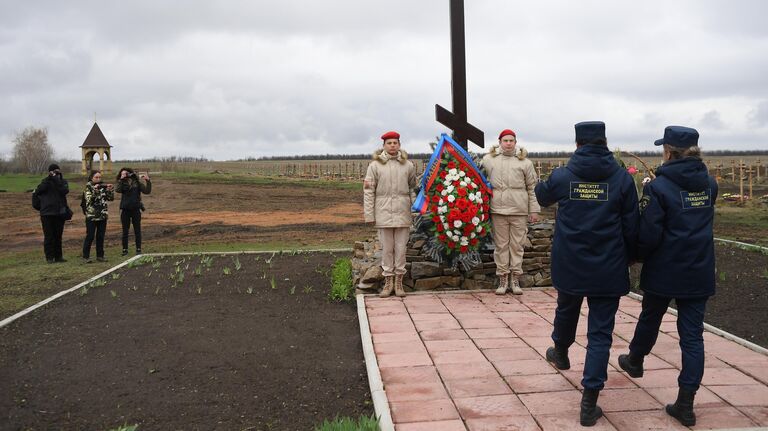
(451, 198)
(452, 171)
(442, 217)
(457, 223)
(447, 227)
(462, 173)
(475, 221)
(479, 228)
(444, 192)
(472, 235)
(450, 188)
(463, 183)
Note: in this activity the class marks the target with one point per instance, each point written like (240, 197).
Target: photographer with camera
(95, 199)
(54, 212)
(131, 207)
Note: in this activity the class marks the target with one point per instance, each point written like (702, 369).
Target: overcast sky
(233, 79)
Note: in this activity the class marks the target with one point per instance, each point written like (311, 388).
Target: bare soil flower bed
(228, 342)
(741, 296)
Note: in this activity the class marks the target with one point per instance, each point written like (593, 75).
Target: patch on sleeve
(368, 185)
(696, 200)
(643, 204)
(589, 191)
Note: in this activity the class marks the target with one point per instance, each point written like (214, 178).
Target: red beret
(390, 135)
(506, 132)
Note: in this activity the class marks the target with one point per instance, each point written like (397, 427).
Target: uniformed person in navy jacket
(594, 243)
(678, 253)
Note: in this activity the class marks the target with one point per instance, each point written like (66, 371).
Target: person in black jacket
(677, 249)
(595, 235)
(131, 189)
(53, 204)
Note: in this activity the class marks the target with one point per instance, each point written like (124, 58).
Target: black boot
(682, 409)
(559, 356)
(590, 411)
(632, 364)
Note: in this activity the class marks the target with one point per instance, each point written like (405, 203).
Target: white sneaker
(503, 285)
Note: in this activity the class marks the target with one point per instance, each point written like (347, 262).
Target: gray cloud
(235, 79)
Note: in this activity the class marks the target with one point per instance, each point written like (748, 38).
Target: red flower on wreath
(435, 198)
(453, 215)
(443, 174)
(436, 218)
(473, 242)
(451, 165)
(439, 188)
(451, 244)
(462, 203)
(464, 249)
(462, 192)
(442, 236)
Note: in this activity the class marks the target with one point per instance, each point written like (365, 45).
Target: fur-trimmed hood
(382, 157)
(520, 152)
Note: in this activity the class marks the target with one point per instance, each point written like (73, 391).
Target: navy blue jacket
(596, 226)
(675, 242)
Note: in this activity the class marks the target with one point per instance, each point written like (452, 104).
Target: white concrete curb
(715, 330)
(32, 308)
(743, 244)
(378, 395)
(289, 252)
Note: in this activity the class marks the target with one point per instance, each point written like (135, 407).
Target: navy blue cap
(589, 131)
(679, 137)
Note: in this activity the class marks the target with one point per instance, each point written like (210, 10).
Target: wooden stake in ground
(758, 169)
(733, 171)
(749, 171)
(741, 181)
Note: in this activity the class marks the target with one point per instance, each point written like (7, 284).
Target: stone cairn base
(426, 275)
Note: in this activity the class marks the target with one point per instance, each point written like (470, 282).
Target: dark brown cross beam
(457, 120)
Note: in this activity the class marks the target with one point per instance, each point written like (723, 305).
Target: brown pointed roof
(95, 138)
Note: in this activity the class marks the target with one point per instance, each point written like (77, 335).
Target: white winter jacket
(513, 178)
(387, 196)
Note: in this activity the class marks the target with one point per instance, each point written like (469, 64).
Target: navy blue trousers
(690, 326)
(600, 321)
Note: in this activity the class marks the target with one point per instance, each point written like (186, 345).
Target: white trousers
(394, 241)
(508, 234)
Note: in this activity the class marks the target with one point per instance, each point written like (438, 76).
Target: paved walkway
(475, 361)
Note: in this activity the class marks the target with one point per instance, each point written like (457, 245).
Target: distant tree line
(169, 159)
(533, 155)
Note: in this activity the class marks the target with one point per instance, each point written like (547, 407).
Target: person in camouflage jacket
(95, 197)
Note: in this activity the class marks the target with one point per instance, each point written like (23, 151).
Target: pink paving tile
(491, 405)
(423, 411)
(426, 374)
(545, 403)
(476, 387)
(491, 333)
(433, 325)
(644, 421)
(457, 356)
(704, 397)
(726, 376)
(539, 383)
(532, 330)
(570, 421)
(524, 367)
(742, 395)
(499, 343)
(385, 311)
(449, 345)
(756, 372)
(415, 391)
(721, 417)
(452, 425)
(385, 327)
(403, 360)
(418, 317)
(511, 354)
(427, 309)
(444, 334)
(532, 296)
(396, 337)
(657, 379)
(505, 307)
(503, 423)
(619, 400)
(482, 323)
(759, 415)
(475, 315)
(539, 341)
(466, 371)
(399, 347)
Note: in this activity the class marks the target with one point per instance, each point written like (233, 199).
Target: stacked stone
(424, 274)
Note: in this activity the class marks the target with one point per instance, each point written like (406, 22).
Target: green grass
(341, 280)
(733, 222)
(21, 183)
(211, 178)
(364, 423)
(26, 279)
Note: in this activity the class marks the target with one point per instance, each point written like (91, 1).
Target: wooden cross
(457, 120)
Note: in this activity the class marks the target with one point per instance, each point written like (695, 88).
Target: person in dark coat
(96, 195)
(131, 206)
(677, 249)
(595, 235)
(53, 203)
